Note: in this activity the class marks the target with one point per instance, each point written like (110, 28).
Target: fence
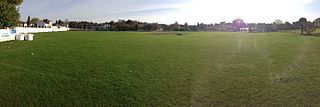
(38, 30)
(8, 35)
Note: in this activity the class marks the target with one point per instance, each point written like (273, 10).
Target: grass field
(161, 69)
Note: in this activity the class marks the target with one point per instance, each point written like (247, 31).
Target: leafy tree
(238, 23)
(278, 22)
(60, 23)
(302, 23)
(14, 2)
(176, 26)
(306, 26)
(186, 27)
(173, 27)
(151, 27)
(112, 25)
(34, 20)
(9, 15)
(288, 26)
(278, 25)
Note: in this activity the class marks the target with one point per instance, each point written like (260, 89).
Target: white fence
(38, 30)
(10, 34)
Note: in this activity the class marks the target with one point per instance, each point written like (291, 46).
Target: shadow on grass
(170, 33)
(316, 35)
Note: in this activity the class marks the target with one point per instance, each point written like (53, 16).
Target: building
(263, 27)
(317, 23)
(226, 27)
(45, 23)
(245, 29)
(23, 24)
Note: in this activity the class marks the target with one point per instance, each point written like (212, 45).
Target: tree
(112, 25)
(9, 15)
(278, 22)
(174, 27)
(34, 20)
(186, 27)
(60, 23)
(302, 23)
(28, 21)
(278, 25)
(288, 26)
(14, 2)
(150, 26)
(238, 23)
(306, 26)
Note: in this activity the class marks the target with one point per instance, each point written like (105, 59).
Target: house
(263, 27)
(317, 23)
(245, 29)
(45, 23)
(225, 27)
(23, 24)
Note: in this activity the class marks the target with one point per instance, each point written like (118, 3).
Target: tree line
(124, 25)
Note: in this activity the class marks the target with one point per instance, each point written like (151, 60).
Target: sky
(169, 11)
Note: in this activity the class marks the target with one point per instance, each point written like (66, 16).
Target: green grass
(161, 69)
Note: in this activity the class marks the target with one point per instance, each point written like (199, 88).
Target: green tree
(9, 15)
(302, 22)
(277, 22)
(186, 27)
(238, 23)
(176, 26)
(306, 26)
(34, 20)
(112, 25)
(14, 2)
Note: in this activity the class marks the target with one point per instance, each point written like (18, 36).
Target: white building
(44, 23)
(244, 29)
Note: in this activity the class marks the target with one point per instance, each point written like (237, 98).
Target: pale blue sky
(169, 11)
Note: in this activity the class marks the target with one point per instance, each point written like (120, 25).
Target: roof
(317, 20)
(46, 21)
